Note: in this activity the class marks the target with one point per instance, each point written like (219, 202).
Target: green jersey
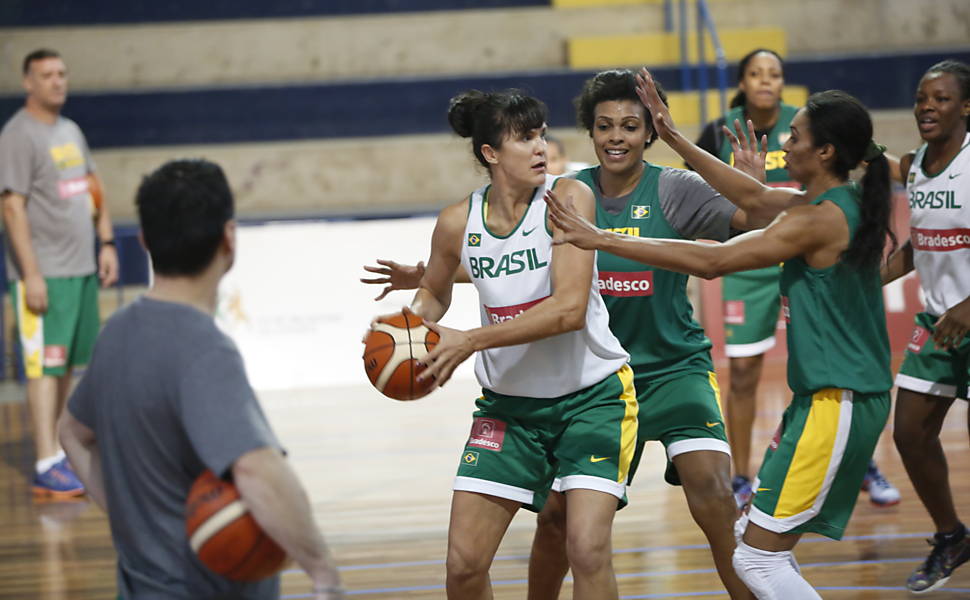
(836, 321)
(650, 312)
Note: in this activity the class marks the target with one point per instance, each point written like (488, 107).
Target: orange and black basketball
(225, 536)
(392, 350)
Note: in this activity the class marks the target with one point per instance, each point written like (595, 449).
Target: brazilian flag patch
(912, 177)
(639, 212)
(474, 239)
(470, 458)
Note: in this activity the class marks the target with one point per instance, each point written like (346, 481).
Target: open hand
(663, 123)
(570, 226)
(395, 276)
(747, 157)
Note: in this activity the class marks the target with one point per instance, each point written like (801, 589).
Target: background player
(935, 369)
(831, 237)
(166, 397)
(45, 166)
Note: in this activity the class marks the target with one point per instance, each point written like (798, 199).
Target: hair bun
(462, 109)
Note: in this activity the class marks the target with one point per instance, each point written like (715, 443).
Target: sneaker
(881, 492)
(939, 565)
(58, 481)
(741, 486)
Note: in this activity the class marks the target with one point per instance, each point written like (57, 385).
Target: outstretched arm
(434, 290)
(793, 233)
(759, 202)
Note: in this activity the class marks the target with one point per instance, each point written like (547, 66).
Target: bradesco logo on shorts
(487, 433)
(619, 283)
(497, 314)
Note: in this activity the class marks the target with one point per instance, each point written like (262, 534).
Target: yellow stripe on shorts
(712, 378)
(31, 328)
(817, 455)
(628, 429)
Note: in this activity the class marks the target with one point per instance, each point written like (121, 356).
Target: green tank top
(836, 321)
(650, 312)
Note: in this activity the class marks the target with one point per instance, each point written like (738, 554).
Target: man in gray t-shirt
(51, 212)
(166, 397)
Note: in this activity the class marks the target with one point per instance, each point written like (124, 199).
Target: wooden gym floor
(379, 474)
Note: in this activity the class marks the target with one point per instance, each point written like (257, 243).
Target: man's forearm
(18, 231)
(270, 489)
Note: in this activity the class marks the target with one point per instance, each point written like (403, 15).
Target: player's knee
(911, 439)
(771, 575)
(708, 493)
(588, 552)
(464, 563)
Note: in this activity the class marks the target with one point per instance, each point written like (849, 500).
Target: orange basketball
(392, 350)
(225, 536)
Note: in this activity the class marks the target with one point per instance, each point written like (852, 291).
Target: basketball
(223, 534)
(392, 350)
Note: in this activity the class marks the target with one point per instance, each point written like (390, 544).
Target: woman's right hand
(663, 123)
(395, 276)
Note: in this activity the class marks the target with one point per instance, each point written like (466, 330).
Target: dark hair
(960, 72)
(837, 118)
(39, 54)
(613, 85)
(183, 208)
(740, 99)
(487, 117)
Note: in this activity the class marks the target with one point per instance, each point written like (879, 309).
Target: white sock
(771, 575)
(46, 463)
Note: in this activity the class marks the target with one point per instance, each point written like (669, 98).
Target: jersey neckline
(966, 142)
(525, 214)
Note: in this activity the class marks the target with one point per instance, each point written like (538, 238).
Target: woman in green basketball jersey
(651, 315)
(750, 299)
(831, 237)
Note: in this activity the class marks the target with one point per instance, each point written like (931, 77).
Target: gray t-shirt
(691, 206)
(167, 397)
(48, 165)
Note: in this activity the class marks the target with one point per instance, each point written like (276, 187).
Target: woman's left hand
(571, 227)
(952, 327)
(454, 347)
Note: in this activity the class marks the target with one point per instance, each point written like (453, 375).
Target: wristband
(110, 242)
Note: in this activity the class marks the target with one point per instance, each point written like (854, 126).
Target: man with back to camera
(166, 397)
(46, 176)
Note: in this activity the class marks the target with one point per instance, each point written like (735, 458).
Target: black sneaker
(939, 565)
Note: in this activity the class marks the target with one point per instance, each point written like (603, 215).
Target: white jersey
(940, 229)
(512, 273)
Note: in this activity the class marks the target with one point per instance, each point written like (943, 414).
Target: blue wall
(410, 106)
(21, 13)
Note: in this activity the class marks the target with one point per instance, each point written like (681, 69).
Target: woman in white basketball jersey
(935, 369)
(557, 392)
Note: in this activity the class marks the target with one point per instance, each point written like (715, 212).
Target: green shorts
(815, 464)
(64, 336)
(517, 445)
(929, 370)
(751, 303)
(683, 412)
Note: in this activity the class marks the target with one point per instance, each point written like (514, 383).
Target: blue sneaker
(58, 481)
(946, 556)
(741, 486)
